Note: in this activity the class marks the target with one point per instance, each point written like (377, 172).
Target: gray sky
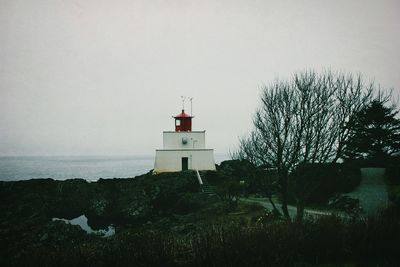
(89, 77)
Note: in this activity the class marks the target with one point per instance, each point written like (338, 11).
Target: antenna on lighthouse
(191, 106)
(183, 101)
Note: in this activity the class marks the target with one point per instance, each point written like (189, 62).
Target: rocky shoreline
(164, 203)
(166, 220)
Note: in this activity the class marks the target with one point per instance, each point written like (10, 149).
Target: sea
(90, 168)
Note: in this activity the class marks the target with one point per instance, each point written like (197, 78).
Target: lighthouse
(184, 149)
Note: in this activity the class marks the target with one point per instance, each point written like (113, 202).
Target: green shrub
(394, 194)
(190, 202)
(319, 182)
(270, 242)
(393, 170)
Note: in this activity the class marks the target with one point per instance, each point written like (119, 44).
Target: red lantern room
(183, 122)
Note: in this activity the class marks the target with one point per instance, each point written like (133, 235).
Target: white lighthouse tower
(184, 149)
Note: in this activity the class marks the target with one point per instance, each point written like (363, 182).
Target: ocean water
(87, 167)
(82, 222)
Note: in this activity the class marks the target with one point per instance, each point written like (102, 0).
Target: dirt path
(372, 191)
(372, 194)
(292, 209)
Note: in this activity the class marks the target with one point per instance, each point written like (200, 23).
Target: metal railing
(199, 177)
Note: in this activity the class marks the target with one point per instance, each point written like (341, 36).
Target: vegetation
(304, 121)
(326, 241)
(319, 182)
(375, 133)
(393, 179)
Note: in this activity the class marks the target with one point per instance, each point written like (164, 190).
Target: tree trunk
(284, 190)
(300, 210)
(284, 206)
(275, 209)
(300, 190)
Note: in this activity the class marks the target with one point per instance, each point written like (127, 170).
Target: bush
(256, 179)
(345, 203)
(190, 202)
(393, 170)
(270, 242)
(394, 194)
(238, 169)
(319, 182)
(229, 190)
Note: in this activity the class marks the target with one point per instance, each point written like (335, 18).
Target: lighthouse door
(185, 164)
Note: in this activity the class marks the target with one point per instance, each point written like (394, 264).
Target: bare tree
(303, 121)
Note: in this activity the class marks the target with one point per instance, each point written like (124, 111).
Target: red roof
(183, 115)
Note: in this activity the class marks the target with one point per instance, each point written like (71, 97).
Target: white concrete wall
(195, 140)
(171, 160)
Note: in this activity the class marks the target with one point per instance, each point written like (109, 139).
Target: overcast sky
(94, 77)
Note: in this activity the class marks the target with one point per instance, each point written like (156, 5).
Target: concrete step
(205, 187)
(208, 189)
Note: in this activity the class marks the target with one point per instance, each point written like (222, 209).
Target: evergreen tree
(375, 133)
